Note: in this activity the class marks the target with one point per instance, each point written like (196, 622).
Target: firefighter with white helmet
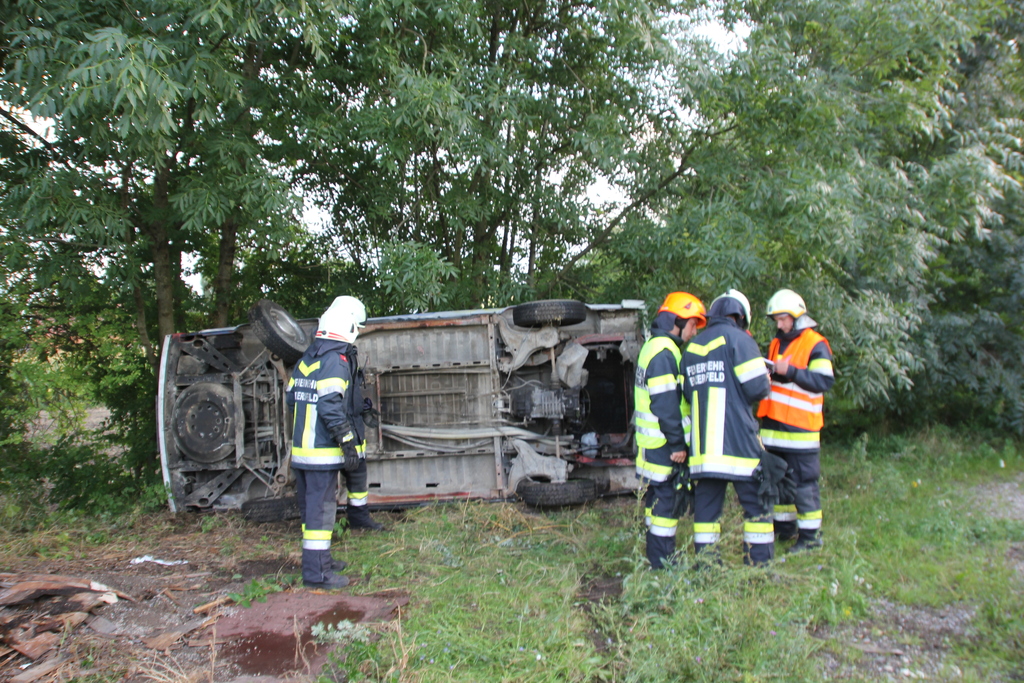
(662, 417)
(724, 376)
(791, 416)
(325, 390)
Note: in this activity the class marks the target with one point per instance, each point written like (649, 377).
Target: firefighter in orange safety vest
(791, 416)
(662, 417)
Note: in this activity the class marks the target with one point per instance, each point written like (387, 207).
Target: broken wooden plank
(38, 671)
(36, 647)
(36, 586)
(65, 622)
(210, 605)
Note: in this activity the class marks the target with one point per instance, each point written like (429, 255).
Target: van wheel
(271, 509)
(278, 331)
(557, 493)
(549, 312)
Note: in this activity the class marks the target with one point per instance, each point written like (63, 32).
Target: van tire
(557, 493)
(549, 312)
(271, 509)
(278, 330)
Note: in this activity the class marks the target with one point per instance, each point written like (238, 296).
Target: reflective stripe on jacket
(724, 376)
(793, 411)
(660, 413)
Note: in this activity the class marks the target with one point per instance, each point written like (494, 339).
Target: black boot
(359, 518)
(660, 550)
(317, 571)
(785, 531)
(810, 539)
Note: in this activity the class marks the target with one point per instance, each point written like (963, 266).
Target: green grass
(497, 590)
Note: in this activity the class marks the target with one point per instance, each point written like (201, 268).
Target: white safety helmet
(342, 319)
(786, 301)
(725, 307)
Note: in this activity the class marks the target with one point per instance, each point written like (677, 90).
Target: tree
(837, 172)
(475, 129)
(157, 142)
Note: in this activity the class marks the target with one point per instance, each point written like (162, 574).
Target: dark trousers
(317, 492)
(758, 532)
(659, 503)
(803, 514)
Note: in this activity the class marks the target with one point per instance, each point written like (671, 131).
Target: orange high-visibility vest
(789, 403)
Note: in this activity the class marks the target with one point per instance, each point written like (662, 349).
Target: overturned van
(533, 400)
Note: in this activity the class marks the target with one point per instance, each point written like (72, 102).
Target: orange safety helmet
(685, 305)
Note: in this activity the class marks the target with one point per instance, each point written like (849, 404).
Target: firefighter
(791, 418)
(662, 417)
(725, 376)
(326, 437)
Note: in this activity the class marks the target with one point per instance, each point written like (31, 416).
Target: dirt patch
(1000, 500)
(898, 642)
(275, 637)
(601, 588)
(596, 591)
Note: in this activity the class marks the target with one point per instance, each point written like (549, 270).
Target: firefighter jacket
(661, 415)
(791, 416)
(326, 394)
(724, 376)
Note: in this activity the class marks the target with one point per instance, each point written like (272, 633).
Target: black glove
(352, 459)
(682, 491)
(346, 438)
(773, 483)
(371, 416)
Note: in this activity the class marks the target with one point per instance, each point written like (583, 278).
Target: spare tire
(271, 509)
(278, 331)
(549, 312)
(557, 493)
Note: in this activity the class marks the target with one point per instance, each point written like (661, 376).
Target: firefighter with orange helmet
(662, 416)
(791, 416)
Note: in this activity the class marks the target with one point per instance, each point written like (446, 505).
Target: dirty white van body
(534, 400)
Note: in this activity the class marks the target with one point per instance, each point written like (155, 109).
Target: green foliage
(256, 590)
(413, 275)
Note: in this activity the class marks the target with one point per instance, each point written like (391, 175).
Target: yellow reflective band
(723, 464)
(317, 534)
(758, 527)
(361, 448)
(714, 437)
(790, 436)
(706, 528)
(306, 369)
(356, 496)
(751, 369)
(316, 452)
(309, 427)
(821, 365)
(664, 522)
(785, 508)
(695, 435)
(703, 350)
(809, 515)
(291, 383)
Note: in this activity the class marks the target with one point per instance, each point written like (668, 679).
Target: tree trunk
(225, 269)
(163, 272)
